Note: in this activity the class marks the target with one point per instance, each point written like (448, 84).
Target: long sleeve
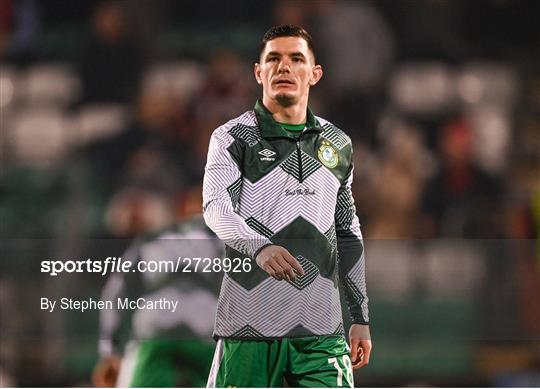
(351, 252)
(222, 188)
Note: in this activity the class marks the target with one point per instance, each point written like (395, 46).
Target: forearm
(232, 229)
(352, 277)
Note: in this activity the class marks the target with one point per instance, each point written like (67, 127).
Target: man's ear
(257, 72)
(316, 74)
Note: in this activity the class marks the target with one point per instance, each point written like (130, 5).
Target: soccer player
(154, 348)
(277, 188)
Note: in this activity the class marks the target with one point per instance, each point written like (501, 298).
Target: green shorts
(315, 361)
(165, 363)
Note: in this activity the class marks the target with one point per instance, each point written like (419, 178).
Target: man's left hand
(360, 340)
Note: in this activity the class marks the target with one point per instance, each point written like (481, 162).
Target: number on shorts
(348, 370)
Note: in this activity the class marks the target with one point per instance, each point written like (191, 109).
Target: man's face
(287, 70)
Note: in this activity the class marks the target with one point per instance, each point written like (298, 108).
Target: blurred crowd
(107, 108)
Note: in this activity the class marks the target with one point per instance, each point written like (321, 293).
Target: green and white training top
(265, 185)
(195, 291)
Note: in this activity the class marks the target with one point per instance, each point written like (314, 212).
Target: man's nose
(284, 66)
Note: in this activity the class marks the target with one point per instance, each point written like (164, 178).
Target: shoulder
(334, 134)
(242, 129)
(246, 121)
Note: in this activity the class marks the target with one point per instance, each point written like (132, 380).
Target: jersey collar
(271, 129)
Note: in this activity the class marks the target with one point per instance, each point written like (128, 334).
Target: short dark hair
(284, 30)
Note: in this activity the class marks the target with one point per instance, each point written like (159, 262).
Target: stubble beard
(285, 100)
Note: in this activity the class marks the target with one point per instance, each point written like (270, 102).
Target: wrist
(360, 331)
(256, 254)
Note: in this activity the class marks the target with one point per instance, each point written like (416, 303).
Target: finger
(291, 276)
(364, 350)
(280, 272)
(367, 353)
(277, 271)
(269, 269)
(294, 263)
(354, 350)
(289, 271)
(360, 360)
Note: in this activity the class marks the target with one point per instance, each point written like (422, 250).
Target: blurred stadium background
(106, 112)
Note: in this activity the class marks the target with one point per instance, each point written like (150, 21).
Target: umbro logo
(267, 155)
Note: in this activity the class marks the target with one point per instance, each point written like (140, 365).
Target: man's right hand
(106, 371)
(279, 263)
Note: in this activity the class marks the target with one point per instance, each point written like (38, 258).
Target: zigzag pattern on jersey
(247, 119)
(339, 330)
(345, 209)
(259, 227)
(335, 135)
(247, 332)
(331, 236)
(249, 134)
(356, 281)
(170, 246)
(316, 307)
(274, 308)
(234, 191)
(266, 202)
(310, 273)
(309, 165)
(357, 295)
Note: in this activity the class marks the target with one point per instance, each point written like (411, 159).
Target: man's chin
(285, 100)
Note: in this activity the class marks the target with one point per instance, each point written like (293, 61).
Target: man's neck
(294, 114)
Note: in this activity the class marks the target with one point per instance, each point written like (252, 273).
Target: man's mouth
(283, 82)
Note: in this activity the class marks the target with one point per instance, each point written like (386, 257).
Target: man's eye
(273, 59)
